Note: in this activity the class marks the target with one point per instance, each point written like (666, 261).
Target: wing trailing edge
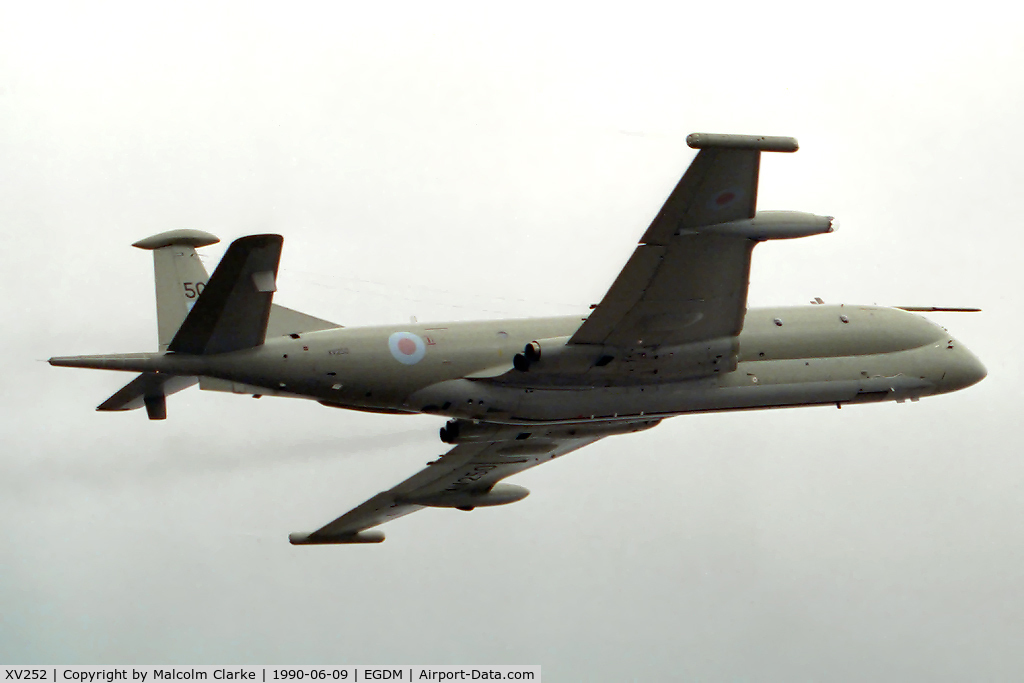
(469, 475)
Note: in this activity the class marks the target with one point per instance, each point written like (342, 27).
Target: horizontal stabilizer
(148, 389)
(285, 321)
(233, 311)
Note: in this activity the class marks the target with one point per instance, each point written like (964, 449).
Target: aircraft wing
(685, 283)
(467, 476)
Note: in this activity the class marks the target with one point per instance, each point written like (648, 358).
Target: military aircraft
(672, 336)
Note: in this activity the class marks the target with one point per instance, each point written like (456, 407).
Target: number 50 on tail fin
(179, 274)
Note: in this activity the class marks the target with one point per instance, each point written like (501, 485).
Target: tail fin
(239, 316)
(180, 277)
(234, 309)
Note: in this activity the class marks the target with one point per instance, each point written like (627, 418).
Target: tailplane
(180, 278)
(150, 389)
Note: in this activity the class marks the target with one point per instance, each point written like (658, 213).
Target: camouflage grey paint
(673, 335)
(812, 357)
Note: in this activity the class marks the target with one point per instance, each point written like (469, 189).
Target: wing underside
(467, 476)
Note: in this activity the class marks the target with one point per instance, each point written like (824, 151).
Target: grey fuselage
(819, 354)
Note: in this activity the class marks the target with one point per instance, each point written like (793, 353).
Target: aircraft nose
(963, 369)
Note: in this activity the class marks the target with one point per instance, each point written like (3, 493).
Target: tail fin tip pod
(184, 237)
(761, 143)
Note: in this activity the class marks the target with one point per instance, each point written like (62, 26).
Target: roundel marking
(406, 347)
(724, 198)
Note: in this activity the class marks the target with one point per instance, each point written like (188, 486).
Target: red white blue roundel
(724, 198)
(407, 348)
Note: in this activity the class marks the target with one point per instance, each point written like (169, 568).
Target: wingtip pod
(185, 236)
(763, 143)
(305, 538)
(775, 225)
(499, 494)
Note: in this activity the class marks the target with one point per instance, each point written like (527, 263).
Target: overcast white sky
(457, 161)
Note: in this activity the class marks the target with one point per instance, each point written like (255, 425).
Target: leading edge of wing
(687, 279)
(467, 476)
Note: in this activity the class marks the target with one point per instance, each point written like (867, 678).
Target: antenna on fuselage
(937, 309)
